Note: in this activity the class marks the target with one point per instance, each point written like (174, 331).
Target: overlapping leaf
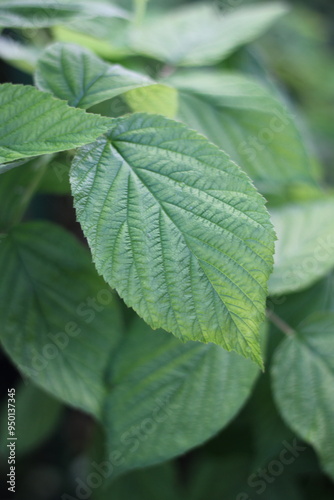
(34, 123)
(76, 75)
(44, 13)
(201, 34)
(166, 397)
(305, 246)
(303, 384)
(249, 123)
(59, 320)
(177, 229)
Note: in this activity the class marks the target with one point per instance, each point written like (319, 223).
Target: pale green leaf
(305, 246)
(21, 56)
(59, 320)
(167, 397)
(158, 99)
(76, 75)
(178, 229)
(303, 384)
(35, 123)
(36, 417)
(44, 13)
(201, 34)
(249, 123)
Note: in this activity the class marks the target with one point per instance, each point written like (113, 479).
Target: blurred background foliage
(57, 444)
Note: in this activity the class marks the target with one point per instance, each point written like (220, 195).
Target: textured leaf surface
(34, 123)
(56, 322)
(305, 246)
(303, 384)
(249, 123)
(37, 415)
(167, 397)
(177, 229)
(43, 13)
(200, 35)
(76, 75)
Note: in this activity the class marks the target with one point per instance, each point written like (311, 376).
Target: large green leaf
(44, 13)
(34, 123)
(76, 75)
(166, 397)
(305, 246)
(303, 384)
(200, 35)
(177, 229)
(249, 123)
(37, 416)
(59, 320)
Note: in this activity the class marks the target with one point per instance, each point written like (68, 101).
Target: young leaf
(59, 320)
(44, 13)
(158, 99)
(76, 75)
(249, 123)
(177, 229)
(303, 384)
(305, 247)
(34, 123)
(166, 397)
(200, 35)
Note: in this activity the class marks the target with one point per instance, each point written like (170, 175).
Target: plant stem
(140, 10)
(280, 323)
(41, 164)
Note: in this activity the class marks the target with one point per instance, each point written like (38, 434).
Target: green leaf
(303, 384)
(305, 247)
(166, 397)
(59, 320)
(21, 56)
(200, 35)
(177, 229)
(76, 75)
(158, 99)
(35, 123)
(249, 123)
(37, 415)
(44, 13)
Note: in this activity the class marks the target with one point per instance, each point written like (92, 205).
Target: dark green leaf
(59, 320)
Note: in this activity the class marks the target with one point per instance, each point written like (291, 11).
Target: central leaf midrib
(190, 250)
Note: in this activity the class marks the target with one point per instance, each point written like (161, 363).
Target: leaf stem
(280, 323)
(140, 10)
(41, 164)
